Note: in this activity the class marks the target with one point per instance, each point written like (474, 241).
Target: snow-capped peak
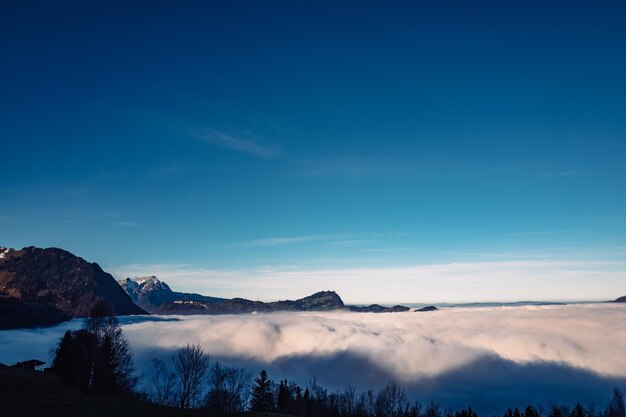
(143, 280)
(144, 284)
(4, 251)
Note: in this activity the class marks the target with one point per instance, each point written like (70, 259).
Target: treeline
(97, 359)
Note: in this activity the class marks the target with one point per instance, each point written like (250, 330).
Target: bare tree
(391, 401)
(228, 388)
(191, 364)
(162, 383)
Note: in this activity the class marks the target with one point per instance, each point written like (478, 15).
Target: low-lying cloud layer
(485, 357)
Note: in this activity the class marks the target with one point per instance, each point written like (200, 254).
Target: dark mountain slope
(52, 281)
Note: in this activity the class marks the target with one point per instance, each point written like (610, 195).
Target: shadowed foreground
(26, 393)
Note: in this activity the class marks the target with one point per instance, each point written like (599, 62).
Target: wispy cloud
(559, 174)
(401, 249)
(337, 239)
(275, 241)
(251, 145)
(544, 232)
(127, 224)
(351, 242)
(350, 167)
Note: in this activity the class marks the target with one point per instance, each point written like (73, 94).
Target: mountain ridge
(51, 285)
(149, 293)
(320, 301)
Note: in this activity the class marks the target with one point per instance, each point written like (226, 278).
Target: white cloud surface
(485, 357)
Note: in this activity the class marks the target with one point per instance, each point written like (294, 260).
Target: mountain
(40, 287)
(426, 309)
(376, 308)
(620, 300)
(321, 301)
(150, 292)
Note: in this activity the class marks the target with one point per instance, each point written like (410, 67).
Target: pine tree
(262, 396)
(284, 395)
(63, 360)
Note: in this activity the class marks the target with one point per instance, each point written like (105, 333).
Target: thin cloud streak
(273, 241)
(127, 224)
(339, 239)
(560, 174)
(235, 143)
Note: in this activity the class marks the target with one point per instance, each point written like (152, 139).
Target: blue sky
(243, 148)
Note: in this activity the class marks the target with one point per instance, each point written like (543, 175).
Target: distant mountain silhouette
(321, 301)
(150, 292)
(376, 308)
(620, 300)
(426, 309)
(40, 287)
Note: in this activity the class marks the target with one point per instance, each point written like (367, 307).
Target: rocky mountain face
(321, 301)
(45, 286)
(150, 292)
(620, 300)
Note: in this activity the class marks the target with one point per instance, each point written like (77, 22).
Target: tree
(97, 358)
(162, 383)
(284, 396)
(616, 407)
(262, 398)
(227, 388)
(63, 360)
(578, 411)
(73, 359)
(391, 401)
(530, 411)
(113, 369)
(190, 364)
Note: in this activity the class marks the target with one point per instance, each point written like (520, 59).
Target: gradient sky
(432, 151)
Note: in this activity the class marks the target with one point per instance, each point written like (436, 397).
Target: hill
(39, 287)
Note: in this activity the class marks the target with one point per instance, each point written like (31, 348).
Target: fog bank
(485, 357)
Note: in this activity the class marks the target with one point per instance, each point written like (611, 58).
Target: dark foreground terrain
(26, 393)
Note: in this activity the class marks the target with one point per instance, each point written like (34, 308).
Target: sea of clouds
(489, 358)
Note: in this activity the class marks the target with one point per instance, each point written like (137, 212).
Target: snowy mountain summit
(150, 292)
(4, 251)
(144, 284)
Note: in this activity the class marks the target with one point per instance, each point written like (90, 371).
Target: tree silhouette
(228, 388)
(162, 382)
(96, 358)
(616, 407)
(262, 397)
(191, 365)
